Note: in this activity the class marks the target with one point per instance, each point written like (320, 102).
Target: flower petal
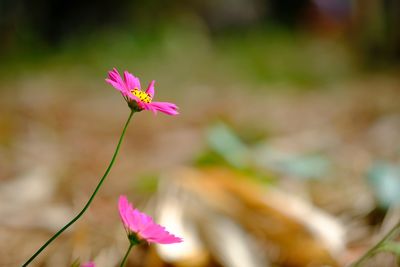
(88, 264)
(124, 210)
(148, 106)
(115, 80)
(170, 239)
(156, 233)
(116, 85)
(150, 89)
(165, 107)
(143, 225)
(131, 81)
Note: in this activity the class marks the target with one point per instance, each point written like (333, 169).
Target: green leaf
(227, 144)
(76, 263)
(392, 247)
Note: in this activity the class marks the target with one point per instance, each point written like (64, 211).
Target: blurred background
(286, 152)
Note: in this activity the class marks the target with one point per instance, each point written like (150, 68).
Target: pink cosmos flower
(140, 226)
(88, 264)
(129, 86)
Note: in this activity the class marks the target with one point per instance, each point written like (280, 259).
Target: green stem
(126, 255)
(372, 251)
(90, 199)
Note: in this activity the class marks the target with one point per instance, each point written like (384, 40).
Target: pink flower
(88, 264)
(140, 226)
(129, 86)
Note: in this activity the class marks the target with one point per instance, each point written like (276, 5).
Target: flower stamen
(144, 97)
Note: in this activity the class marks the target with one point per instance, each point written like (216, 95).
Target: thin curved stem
(126, 255)
(372, 251)
(90, 199)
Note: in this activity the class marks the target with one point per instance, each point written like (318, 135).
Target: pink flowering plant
(140, 225)
(130, 88)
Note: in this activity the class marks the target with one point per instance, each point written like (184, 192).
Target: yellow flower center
(144, 97)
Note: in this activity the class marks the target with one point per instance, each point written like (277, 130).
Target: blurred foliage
(76, 263)
(392, 247)
(182, 52)
(304, 166)
(224, 141)
(147, 183)
(218, 55)
(384, 179)
(307, 43)
(227, 148)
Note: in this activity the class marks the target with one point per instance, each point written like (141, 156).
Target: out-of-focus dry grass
(56, 143)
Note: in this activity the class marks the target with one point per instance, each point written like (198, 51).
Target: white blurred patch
(324, 226)
(186, 217)
(233, 245)
(24, 202)
(170, 215)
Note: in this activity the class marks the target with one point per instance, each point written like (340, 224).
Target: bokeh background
(286, 151)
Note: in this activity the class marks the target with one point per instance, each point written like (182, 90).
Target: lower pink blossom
(141, 227)
(88, 264)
